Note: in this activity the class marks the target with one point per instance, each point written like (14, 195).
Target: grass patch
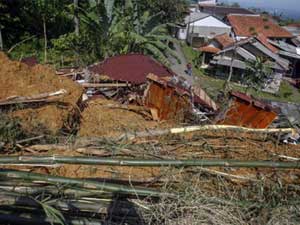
(213, 86)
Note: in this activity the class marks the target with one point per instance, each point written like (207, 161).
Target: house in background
(218, 43)
(200, 27)
(294, 29)
(249, 49)
(245, 26)
(207, 2)
(291, 53)
(222, 11)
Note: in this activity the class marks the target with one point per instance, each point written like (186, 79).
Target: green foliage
(10, 130)
(173, 10)
(55, 216)
(257, 73)
(107, 28)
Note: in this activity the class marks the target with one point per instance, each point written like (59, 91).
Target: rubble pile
(108, 118)
(18, 79)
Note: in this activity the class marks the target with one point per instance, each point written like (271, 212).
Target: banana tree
(142, 33)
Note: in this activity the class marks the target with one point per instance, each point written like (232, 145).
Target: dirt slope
(17, 79)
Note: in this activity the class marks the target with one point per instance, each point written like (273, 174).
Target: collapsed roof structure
(246, 111)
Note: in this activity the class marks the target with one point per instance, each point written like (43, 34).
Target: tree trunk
(1, 40)
(76, 17)
(45, 39)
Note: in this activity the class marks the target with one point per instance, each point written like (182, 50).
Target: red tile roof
(249, 25)
(266, 43)
(224, 40)
(209, 49)
(132, 68)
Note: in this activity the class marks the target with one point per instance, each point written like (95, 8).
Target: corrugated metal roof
(132, 68)
(245, 54)
(195, 16)
(248, 112)
(224, 10)
(167, 100)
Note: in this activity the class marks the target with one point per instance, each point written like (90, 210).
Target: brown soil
(101, 120)
(18, 79)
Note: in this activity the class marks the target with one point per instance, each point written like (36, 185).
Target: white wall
(182, 34)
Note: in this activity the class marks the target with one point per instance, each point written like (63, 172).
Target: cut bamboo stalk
(152, 133)
(86, 184)
(81, 160)
(53, 190)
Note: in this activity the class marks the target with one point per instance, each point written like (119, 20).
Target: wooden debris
(44, 97)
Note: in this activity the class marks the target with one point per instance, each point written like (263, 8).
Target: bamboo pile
(45, 198)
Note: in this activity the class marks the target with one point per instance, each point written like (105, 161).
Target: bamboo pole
(82, 160)
(152, 133)
(27, 189)
(82, 183)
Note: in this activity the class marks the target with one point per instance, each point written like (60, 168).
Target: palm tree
(257, 73)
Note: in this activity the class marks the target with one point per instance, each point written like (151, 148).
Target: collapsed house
(170, 98)
(249, 49)
(125, 78)
(245, 111)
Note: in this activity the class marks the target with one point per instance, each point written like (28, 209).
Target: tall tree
(76, 17)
